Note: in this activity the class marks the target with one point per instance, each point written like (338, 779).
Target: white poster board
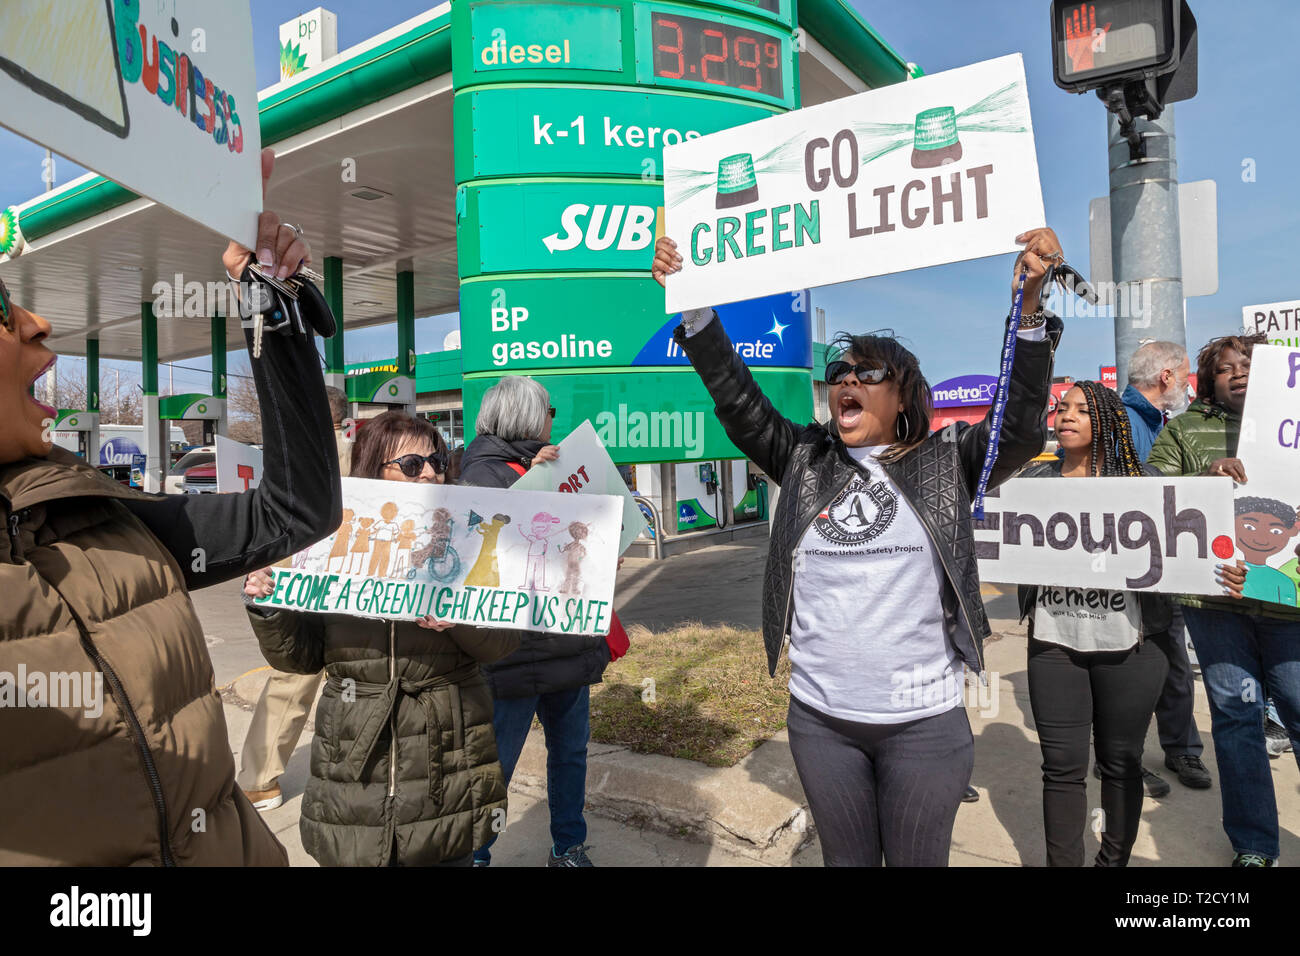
(584, 466)
(1280, 321)
(491, 557)
(1158, 534)
(161, 98)
(1265, 507)
(239, 466)
(934, 170)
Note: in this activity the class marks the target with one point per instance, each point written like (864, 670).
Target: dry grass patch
(696, 692)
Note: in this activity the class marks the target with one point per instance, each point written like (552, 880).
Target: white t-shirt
(867, 640)
(1090, 619)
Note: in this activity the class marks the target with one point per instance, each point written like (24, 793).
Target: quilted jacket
(95, 579)
(937, 477)
(404, 762)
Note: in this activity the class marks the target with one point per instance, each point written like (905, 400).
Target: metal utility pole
(1145, 238)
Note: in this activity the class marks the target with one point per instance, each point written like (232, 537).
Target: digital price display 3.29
(700, 51)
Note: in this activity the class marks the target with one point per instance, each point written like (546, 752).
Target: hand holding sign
(667, 261)
(280, 247)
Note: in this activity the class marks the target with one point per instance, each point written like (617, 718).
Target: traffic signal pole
(1144, 239)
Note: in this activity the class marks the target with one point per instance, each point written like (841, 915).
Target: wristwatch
(1033, 320)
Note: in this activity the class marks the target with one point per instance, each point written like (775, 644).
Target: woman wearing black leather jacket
(1097, 658)
(871, 570)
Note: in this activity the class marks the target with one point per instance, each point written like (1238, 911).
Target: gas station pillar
(335, 367)
(156, 447)
(406, 332)
(92, 401)
(219, 371)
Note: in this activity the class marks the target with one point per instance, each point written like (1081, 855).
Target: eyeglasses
(838, 371)
(551, 411)
(413, 465)
(6, 308)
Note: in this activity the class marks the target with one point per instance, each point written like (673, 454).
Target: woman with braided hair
(1097, 658)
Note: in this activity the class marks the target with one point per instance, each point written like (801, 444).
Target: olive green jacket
(1188, 445)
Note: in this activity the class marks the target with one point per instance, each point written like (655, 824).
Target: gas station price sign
(721, 54)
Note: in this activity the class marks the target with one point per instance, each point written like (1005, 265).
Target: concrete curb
(755, 809)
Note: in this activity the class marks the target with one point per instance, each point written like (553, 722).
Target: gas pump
(208, 409)
(85, 426)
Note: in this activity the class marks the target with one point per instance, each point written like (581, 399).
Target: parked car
(201, 480)
(175, 482)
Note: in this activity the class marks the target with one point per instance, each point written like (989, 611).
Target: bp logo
(9, 232)
(392, 390)
(73, 421)
(859, 514)
(203, 408)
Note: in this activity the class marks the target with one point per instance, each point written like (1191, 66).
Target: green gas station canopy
(364, 165)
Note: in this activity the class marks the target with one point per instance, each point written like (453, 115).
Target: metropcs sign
(964, 390)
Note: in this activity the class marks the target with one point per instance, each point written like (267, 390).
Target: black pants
(1112, 696)
(888, 790)
(1174, 720)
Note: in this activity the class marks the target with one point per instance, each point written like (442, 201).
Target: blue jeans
(1239, 654)
(566, 721)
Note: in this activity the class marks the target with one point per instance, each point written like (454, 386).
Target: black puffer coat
(938, 477)
(404, 762)
(544, 663)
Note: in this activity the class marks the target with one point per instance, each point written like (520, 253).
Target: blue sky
(951, 315)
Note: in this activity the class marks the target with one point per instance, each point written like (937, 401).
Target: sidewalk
(648, 810)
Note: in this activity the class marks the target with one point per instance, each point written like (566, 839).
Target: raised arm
(299, 500)
(1024, 424)
(753, 424)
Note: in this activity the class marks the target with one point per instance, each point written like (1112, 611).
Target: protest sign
(938, 169)
(239, 467)
(161, 98)
(1269, 448)
(1157, 534)
(584, 466)
(491, 557)
(1280, 321)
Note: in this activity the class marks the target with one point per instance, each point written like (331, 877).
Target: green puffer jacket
(1188, 445)
(404, 762)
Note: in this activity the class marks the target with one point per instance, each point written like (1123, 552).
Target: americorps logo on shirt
(860, 513)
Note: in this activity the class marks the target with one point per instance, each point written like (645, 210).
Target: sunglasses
(413, 465)
(551, 411)
(6, 308)
(837, 372)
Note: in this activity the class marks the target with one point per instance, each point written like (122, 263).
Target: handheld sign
(1265, 508)
(239, 467)
(584, 466)
(935, 170)
(1121, 534)
(161, 98)
(490, 557)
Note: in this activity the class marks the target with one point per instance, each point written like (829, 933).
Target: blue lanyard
(1000, 399)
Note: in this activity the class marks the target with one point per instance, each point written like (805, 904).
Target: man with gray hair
(1157, 389)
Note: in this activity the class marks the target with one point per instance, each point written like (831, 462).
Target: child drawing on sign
(1265, 527)
(405, 541)
(383, 533)
(443, 563)
(573, 553)
(342, 538)
(360, 547)
(485, 573)
(544, 525)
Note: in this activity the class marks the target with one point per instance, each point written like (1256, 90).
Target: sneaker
(970, 796)
(1276, 740)
(1252, 859)
(1191, 772)
(573, 856)
(265, 799)
(1156, 785)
